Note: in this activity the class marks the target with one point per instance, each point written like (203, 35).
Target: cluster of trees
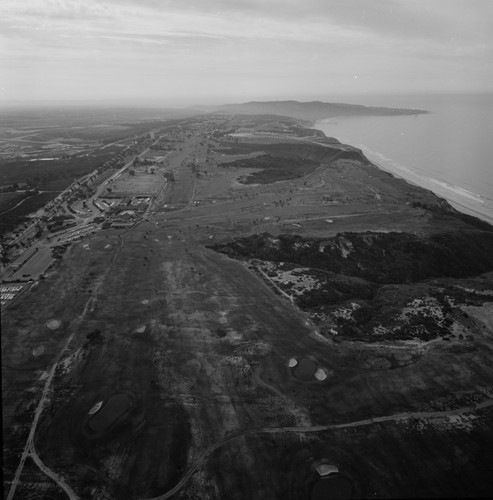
(377, 257)
(274, 168)
(382, 273)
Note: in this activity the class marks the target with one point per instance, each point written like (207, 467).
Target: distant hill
(314, 110)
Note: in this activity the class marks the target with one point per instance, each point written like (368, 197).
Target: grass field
(17, 214)
(140, 183)
(201, 343)
(8, 200)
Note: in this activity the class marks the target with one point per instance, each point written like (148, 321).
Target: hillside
(314, 110)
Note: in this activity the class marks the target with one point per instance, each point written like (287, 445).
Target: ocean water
(449, 150)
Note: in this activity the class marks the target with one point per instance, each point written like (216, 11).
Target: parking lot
(9, 291)
(35, 266)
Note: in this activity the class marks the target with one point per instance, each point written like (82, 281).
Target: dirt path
(317, 428)
(29, 448)
(268, 280)
(18, 204)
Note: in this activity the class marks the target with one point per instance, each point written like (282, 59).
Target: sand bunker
(326, 469)
(145, 302)
(292, 363)
(110, 412)
(107, 246)
(38, 351)
(141, 329)
(53, 324)
(331, 488)
(320, 374)
(95, 408)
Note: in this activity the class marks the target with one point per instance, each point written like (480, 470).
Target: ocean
(449, 150)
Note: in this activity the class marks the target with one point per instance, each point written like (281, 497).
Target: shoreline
(446, 190)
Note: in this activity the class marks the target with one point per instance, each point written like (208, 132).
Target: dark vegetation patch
(18, 215)
(58, 251)
(274, 168)
(286, 161)
(220, 332)
(377, 257)
(444, 210)
(334, 289)
(315, 152)
(382, 286)
(52, 173)
(95, 337)
(110, 412)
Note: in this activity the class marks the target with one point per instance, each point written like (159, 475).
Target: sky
(187, 52)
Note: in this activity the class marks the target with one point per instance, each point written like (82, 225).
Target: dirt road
(29, 448)
(316, 428)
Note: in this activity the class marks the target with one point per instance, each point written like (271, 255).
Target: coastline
(461, 199)
(454, 195)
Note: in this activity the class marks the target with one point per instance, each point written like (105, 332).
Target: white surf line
(452, 193)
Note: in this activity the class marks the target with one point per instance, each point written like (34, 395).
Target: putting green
(334, 487)
(38, 351)
(53, 324)
(305, 369)
(110, 412)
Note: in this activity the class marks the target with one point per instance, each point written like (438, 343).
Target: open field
(189, 350)
(137, 184)
(9, 200)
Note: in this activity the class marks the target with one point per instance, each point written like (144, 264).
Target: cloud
(127, 45)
